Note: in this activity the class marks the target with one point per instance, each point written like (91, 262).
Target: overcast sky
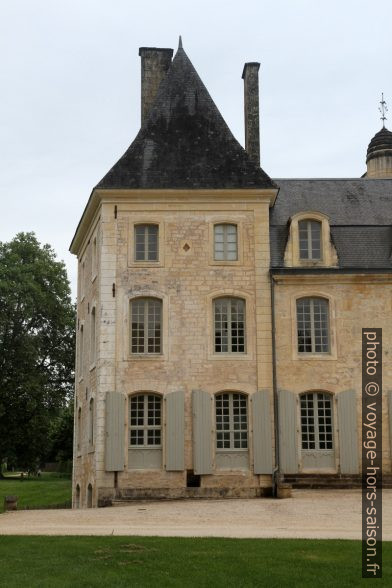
(70, 90)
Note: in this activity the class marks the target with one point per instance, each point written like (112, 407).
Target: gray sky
(70, 90)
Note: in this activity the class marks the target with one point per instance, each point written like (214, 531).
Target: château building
(220, 311)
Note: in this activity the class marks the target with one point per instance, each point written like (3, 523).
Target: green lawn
(118, 562)
(45, 491)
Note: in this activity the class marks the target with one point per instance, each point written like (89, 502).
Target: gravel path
(309, 514)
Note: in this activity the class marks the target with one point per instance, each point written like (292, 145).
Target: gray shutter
(348, 438)
(288, 432)
(262, 436)
(114, 442)
(202, 425)
(175, 431)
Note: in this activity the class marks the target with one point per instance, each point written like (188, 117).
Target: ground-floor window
(145, 431)
(231, 420)
(316, 421)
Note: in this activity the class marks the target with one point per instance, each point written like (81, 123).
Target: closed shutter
(348, 438)
(114, 442)
(202, 426)
(175, 431)
(262, 435)
(288, 432)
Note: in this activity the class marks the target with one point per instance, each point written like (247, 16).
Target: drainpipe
(275, 473)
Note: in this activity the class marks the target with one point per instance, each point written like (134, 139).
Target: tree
(37, 340)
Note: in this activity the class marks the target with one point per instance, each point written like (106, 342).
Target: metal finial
(383, 109)
(180, 43)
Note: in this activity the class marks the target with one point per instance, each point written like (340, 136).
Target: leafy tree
(61, 436)
(37, 324)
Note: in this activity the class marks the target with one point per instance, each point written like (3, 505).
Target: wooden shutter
(175, 431)
(348, 438)
(288, 432)
(114, 442)
(202, 426)
(262, 435)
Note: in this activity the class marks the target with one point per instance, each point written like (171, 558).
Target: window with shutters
(231, 411)
(310, 247)
(313, 333)
(146, 246)
(229, 325)
(145, 421)
(316, 421)
(146, 326)
(225, 242)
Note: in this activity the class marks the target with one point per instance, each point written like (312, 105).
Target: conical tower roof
(184, 142)
(380, 145)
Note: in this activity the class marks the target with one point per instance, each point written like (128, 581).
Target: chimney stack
(250, 75)
(155, 63)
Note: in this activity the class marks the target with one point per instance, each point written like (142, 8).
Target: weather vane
(383, 109)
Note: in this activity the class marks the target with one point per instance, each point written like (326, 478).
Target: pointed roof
(184, 142)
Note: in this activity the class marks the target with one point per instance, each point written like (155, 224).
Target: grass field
(48, 490)
(118, 562)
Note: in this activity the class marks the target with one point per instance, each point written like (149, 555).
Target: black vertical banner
(371, 453)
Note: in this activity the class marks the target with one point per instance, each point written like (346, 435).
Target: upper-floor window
(229, 325)
(94, 258)
(93, 336)
(145, 420)
(146, 325)
(146, 242)
(81, 350)
(225, 242)
(313, 325)
(91, 422)
(309, 240)
(231, 412)
(79, 430)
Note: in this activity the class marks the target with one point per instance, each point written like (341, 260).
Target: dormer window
(310, 240)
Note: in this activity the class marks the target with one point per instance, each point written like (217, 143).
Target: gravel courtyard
(333, 514)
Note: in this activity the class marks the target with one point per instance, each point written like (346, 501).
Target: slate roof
(360, 216)
(185, 142)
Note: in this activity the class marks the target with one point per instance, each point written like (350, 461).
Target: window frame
(312, 300)
(132, 225)
(146, 242)
(309, 239)
(328, 255)
(145, 427)
(305, 428)
(232, 430)
(146, 300)
(230, 351)
(91, 428)
(225, 230)
(93, 336)
(225, 220)
(313, 293)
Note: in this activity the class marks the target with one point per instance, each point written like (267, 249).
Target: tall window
(231, 421)
(93, 336)
(79, 430)
(146, 331)
(313, 325)
(81, 350)
(309, 240)
(225, 242)
(146, 243)
(145, 420)
(229, 321)
(94, 257)
(91, 422)
(316, 421)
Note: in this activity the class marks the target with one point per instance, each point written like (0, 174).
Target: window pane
(145, 420)
(229, 321)
(146, 243)
(146, 318)
(231, 421)
(225, 242)
(312, 325)
(309, 239)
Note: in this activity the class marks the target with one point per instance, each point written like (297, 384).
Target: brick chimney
(250, 75)
(155, 62)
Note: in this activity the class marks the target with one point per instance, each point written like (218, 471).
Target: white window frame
(146, 427)
(146, 300)
(229, 300)
(309, 222)
(307, 423)
(146, 227)
(225, 233)
(232, 430)
(312, 300)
